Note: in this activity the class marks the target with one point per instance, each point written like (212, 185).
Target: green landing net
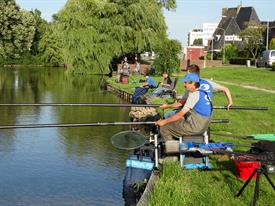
(128, 140)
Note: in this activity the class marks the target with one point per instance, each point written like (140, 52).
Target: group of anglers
(192, 114)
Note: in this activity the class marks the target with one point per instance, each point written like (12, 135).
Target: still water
(58, 166)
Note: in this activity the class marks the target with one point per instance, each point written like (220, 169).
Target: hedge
(241, 60)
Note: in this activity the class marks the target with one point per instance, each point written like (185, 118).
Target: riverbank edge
(143, 201)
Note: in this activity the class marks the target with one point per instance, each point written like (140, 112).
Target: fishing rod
(89, 124)
(241, 107)
(73, 125)
(123, 105)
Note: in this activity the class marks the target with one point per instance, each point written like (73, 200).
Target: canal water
(58, 166)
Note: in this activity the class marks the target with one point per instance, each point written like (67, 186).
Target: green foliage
(51, 47)
(167, 56)
(231, 51)
(197, 42)
(272, 44)
(273, 67)
(168, 4)
(209, 56)
(95, 31)
(40, 28)
(25, 59)
(17, 30)
(253, 38)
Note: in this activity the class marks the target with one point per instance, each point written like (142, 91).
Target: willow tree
(50, 47)
(96, 31)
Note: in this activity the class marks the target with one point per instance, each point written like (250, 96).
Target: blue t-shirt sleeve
(151, 82)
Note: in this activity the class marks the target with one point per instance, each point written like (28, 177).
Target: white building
(208, 31)
(205, 33)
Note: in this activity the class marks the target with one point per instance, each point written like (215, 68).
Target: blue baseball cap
(192, 77)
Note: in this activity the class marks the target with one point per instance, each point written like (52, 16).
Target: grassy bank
(219, 186)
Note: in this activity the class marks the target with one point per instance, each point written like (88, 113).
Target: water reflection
(58, 166)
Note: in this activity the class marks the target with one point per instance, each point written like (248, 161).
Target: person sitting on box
(195, 115)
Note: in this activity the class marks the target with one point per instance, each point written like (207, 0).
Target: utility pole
(267, 29)
(212, 48)
(223, 56)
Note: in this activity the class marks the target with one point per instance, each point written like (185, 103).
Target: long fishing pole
(73, 125)
(89, 124)
(124, 105)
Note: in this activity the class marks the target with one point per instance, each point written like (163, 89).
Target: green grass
(178, 187)
(133, 82)
(260, 77)
(219, 186)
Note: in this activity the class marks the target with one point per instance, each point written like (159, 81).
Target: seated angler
(210, 86)
(166, 85)
(205, 85)
(141, 90)
(195, 115)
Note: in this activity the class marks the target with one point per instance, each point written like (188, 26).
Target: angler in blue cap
(195, 115)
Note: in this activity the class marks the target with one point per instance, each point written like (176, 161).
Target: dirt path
(246, 86)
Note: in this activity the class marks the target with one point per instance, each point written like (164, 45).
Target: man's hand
(160, 122)
(229, 105)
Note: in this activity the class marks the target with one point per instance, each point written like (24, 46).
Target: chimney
(224, 11)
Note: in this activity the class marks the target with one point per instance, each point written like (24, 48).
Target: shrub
(273, 67)
(209, 56)
(241, 60)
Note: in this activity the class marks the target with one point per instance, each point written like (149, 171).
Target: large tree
(168, 56)
(17, 30)
(96, 31)
(253, 38)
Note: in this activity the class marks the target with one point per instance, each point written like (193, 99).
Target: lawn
(219, 186)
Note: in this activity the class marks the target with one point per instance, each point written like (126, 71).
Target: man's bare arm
(227, 93)
(175, 105)
(173, 118)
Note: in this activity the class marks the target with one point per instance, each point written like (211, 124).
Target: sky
(189, 14)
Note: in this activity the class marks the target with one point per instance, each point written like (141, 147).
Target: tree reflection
(37, 85)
